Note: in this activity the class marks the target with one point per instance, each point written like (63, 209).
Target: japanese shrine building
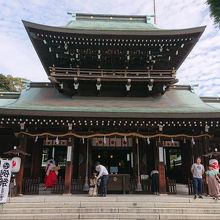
(111, 98)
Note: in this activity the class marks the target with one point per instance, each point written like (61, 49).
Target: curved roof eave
(200, 29)
(46, 101)
(35, 113)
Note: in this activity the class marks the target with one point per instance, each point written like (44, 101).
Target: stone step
(119, 216)
(47, 199)
(93, 204)
(140, 207)
(110, 210)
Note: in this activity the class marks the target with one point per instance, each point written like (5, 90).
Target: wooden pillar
(161, 169)
(138, 187)
(186, 154)
(143, 157)
(86, 184)
(69, 167)
(206, 144)
(82, 158)
(36, 154)
(20, 175)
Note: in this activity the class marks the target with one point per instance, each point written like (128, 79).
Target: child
(93, 185)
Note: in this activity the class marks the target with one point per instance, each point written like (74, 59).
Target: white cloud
(18, 57)
(20, 60)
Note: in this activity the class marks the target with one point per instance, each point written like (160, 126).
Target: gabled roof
(45, 100)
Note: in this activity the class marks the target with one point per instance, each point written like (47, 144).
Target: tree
(215, 10)
(12, 84)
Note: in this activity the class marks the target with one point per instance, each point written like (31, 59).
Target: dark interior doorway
(116, 160)
(173, 162)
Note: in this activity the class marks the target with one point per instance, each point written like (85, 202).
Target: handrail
(105, 73)
(105, 70)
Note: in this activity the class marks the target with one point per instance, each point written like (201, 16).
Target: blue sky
(18, 58)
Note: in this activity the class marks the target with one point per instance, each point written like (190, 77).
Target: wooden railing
(59, 187)
(190, 187)
(77, 185)
(32, 186)
(171, 186)
(110, 73)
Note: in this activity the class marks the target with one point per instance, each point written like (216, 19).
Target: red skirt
(50, 180)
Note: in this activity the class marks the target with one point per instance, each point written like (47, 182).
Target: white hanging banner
(161, 159)
(69, 154)
(5, 177)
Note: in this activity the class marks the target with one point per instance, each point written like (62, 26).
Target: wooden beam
(20, 175)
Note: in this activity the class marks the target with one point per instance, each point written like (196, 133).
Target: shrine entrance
(116, 154)
(117, 161)
(58, 154)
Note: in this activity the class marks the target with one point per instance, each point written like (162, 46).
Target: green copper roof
(215, 105)
(110, 22)
(47, 100)
(110, 25)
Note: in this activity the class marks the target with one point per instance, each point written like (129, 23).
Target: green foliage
(215, 10)
(11, 84)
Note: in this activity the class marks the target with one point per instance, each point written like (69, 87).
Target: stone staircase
(138, 207)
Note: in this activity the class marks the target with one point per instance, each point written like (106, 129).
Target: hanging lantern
(83, 140)
(160, 127)
(172, 141)
(70, 126)
(193, 141)
(148, 140)
(16, 164)
(206, 128)
(104, 140)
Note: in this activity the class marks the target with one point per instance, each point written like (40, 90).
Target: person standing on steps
(197, 170)
(103, 175)
(155, 181)
(212, 181)
(51, 173)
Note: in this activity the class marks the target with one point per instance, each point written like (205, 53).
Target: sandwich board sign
(5, 177)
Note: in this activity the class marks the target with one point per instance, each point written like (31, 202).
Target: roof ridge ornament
(148, 19)
(73, 15)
